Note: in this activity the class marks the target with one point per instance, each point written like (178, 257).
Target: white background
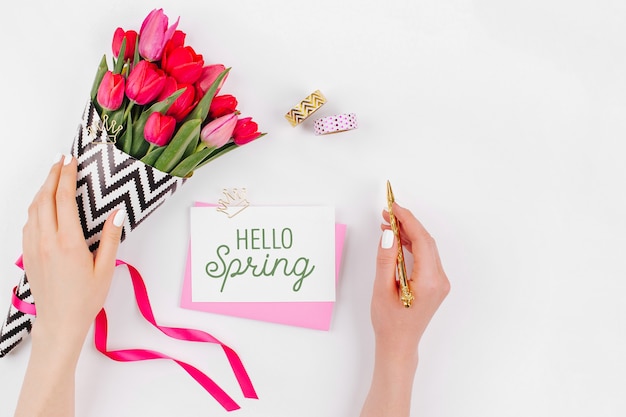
(500, 124)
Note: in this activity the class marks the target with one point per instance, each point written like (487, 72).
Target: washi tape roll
(336, 123)
(305, 108)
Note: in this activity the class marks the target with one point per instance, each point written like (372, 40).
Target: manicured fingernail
(67, 159)
(119, 218)
(57, 158)
(387, 241)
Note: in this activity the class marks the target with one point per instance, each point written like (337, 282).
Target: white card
(263, 254)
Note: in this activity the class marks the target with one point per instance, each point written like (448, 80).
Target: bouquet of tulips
(160, 103)
(153, 118)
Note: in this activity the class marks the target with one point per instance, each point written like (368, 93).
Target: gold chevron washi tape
(305, 108)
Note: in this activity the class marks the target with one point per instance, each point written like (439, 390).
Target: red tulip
(131, 40)
(159, 129)
(184, 104)
(245, 131)
(169, 87)
(154, 34)
(222, 105)
(208, 76)
(145, 82)
(183, 64)
(177, 40)
(111, 91)
(217, 132)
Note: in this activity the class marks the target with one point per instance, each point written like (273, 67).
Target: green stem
(128, 109)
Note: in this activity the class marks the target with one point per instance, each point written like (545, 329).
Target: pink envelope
(313, 315)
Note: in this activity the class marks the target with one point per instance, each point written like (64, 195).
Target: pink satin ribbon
(131, 355)
(23, 306)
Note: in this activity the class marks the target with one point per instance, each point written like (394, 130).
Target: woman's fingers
(67, 209)
(406, 243)
(42, 211)
(109, 242)
(413, 230)
(385, 281)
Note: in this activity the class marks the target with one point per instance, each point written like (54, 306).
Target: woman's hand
(398, 329)
(69, 285)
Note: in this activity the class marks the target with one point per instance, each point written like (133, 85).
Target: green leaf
(188, 132)
(139, 142)
(202, 108)
(139, 147)
(217, 153)
(119, 64)
(102, 69)
(126, 140)
(152, 156)
(191, 148)
(187, 165)
(136, 58)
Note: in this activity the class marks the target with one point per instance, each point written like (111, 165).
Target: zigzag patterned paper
(107, 179)
(305, 108)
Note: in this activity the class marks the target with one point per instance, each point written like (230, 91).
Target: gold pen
(406, 296)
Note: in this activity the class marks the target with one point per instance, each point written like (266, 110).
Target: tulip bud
(217, 132)
(245, 131)
(208, 76)
(145, 82)
(131, 40)
(111, 91)
(154, 34)
(159, 129)
(222, 105)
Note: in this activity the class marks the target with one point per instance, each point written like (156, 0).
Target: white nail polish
(67, 159)
(387, 241)
(119, 218)
(57, 158)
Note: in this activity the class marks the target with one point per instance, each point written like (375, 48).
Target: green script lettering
(224, 268)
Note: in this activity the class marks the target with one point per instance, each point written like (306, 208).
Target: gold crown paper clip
(406, 296)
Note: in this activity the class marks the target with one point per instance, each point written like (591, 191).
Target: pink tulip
(159, 129)
(111, 91)
(154, 34)
(208, 76)
(145, 82)
(217, 132)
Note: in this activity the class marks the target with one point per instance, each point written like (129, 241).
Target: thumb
(386, 261)
(110, 241)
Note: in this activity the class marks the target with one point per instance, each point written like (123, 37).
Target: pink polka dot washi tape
(336, 123)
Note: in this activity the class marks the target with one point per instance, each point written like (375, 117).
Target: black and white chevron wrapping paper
(107, 179)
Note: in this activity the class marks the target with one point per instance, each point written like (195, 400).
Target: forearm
(392, 385)
(48, 387)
